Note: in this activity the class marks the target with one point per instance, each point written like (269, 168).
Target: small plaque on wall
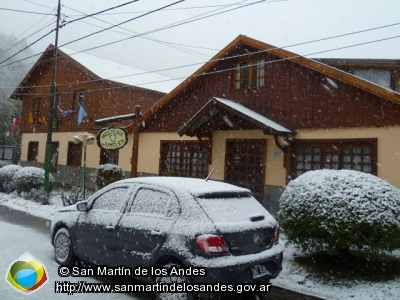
(277, 154)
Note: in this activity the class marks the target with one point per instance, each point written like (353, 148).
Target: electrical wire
(22, 11)
(108, 9)
(124, 22)
(11, 46)
(42, 37)
(190, 20)
(54, 30)
(303, 43)
(180, 47)
(212, 72)
(163, 28)
(152, 31)
(181, 8)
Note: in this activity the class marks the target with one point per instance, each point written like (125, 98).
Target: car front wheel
(177, 279)
(63, 251)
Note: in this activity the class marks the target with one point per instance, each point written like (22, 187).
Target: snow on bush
(107, 174)
(6, 174)
(30, 178)
(4, 163)
(330, 210)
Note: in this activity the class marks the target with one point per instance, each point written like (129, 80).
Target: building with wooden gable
(261, 116)
(101, 87)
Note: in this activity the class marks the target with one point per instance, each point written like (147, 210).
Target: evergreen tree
(10, 78)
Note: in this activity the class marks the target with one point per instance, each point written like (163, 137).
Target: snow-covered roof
(254, 115)
(122, 73)
(212, 109)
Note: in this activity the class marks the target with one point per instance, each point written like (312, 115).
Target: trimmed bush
(6, 174)
(4, 163)
(30, 178)
(330, 210)
(107, 174)
(37, 195)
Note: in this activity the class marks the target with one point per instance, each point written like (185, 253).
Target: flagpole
(51, 110)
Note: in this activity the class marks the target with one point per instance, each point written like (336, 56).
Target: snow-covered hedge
(28, 179)
(330, 210)
(6, 174)
(107, 174)
(4, 163)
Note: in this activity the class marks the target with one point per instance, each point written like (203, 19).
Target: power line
(303, 43)
(184, 8)
(18, 37)
(152, 31)
(162, 28)
(166, 27)
(37, 4)
(23, 11)
(124, 22)
(213, 72)
(276, 48)
(53, 30)
(42, 37)
(180, 47)
(108, 9)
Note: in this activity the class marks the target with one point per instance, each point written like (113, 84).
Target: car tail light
(275, 239)
(212, 243)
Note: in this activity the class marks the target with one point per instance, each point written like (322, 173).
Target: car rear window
(225, 208)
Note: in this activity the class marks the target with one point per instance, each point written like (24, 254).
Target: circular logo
(112, 138)
(26, 274)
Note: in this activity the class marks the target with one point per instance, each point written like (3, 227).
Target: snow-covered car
(168, 221)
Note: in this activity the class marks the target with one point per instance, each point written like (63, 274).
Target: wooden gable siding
(103, 98)
(294, 96)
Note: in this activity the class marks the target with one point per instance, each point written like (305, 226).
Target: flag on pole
(16, 120)
(65, 113)
(40, 119)
(82, 113)
(30, 118)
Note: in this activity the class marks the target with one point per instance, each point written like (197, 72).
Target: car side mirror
(82, 206)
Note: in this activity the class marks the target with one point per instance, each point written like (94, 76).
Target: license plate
(259, 271)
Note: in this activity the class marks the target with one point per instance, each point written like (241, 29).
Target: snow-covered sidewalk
(293, 276)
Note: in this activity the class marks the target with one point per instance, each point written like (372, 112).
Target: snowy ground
(293, 277)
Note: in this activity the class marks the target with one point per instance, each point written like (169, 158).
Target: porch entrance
(245, 165)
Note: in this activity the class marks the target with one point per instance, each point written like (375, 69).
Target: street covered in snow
(18, 239)
(30, 237)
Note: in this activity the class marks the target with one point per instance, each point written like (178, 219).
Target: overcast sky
(279, 23)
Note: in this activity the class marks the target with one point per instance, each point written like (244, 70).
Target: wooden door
(245, 165)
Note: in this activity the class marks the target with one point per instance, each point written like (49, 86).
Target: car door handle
(156, 233)
(110, 227)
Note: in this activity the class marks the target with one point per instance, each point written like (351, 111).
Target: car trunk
(242, 221)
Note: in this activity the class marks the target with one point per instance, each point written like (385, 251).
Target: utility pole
(51, 110)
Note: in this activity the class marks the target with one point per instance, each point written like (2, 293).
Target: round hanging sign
(112, 138)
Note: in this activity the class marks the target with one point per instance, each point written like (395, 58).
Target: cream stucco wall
(149, 150)
(388, 158)
(92, 151)
(149, 153)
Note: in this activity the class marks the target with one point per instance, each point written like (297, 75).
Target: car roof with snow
(196, 187)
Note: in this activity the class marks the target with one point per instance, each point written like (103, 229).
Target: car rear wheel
(63, 251)
(177, 279)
